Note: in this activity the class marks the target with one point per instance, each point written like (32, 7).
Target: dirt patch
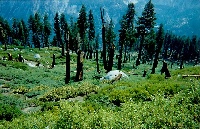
(31, 109)
(76, 99)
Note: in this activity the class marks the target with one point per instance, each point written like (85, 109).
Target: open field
(37, 97)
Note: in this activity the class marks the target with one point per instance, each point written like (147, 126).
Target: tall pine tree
(159, 41)
(110, 38)
(47, 30)
(82, 25)
(91, 33)
(57, 29)
(145, 23)
(126, 33)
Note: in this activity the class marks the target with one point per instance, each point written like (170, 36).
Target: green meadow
(38, 98)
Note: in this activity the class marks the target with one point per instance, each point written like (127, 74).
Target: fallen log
(196, 76)
(116, 78)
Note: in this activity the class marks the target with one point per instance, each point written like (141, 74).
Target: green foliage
(13, 100)
(17, 65)
(137, 102)
(10, 107)
(8, 112)
(67, 92)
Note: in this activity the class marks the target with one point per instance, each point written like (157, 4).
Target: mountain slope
(180, 16)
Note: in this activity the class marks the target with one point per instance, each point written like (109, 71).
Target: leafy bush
(66, 92)
(12, 100)
(49, 106)
(8, 112)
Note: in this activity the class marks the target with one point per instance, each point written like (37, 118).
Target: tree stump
(144, 74)
(165, 70)
(20, 58)
(10, 58)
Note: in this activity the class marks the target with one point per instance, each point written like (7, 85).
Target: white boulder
(113, 74)
(37, 56)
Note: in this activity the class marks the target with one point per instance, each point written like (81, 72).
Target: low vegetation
(37, 97)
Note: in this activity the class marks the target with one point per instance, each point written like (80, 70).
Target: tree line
(136, 34)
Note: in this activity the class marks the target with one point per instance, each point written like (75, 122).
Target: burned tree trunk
(165, 70)
(63, 49)
(111, 56)
(97, 53)
(140, 51)
(54, 61)
(10, 58)
(97, 61)
(67, 76)
(103, 40)
(79, 74)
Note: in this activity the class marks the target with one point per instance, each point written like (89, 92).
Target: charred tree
(54, 61)
(159, 40)
(67, 76)
(111, 56)
(79, 73)
(103, 39)
(97, 53)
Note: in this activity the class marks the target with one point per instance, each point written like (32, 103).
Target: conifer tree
(145, 23)
(126, 33)
(110, 38)
(73, 40)
(15, 29)
(159, 41)
(91, 33)
(192, 48)
(3, 35)
(37, 30)
(64, 30)
(57, 29)
(47, 30)
(21, 33)
(26, 33)
(30, 29)
(82, 25)
(122, 39)
(7, 31)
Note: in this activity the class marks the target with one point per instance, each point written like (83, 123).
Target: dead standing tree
(111, 56)
(79, 73)
(67, 76)
(103, 39)
(54, 61)
(97, 54)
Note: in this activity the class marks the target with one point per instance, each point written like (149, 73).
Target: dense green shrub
(8, 112)
(66, 92)
(12, 100)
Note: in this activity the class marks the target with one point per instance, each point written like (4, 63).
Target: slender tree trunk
(97, 61)
(104, 47)
(5, 44)
(140, 51)
(119, 66)
(54, 61)
(111, 56)
(67, 78)
(125, 54)
(79, 74)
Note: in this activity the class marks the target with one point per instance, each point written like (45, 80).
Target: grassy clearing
(137, 102)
